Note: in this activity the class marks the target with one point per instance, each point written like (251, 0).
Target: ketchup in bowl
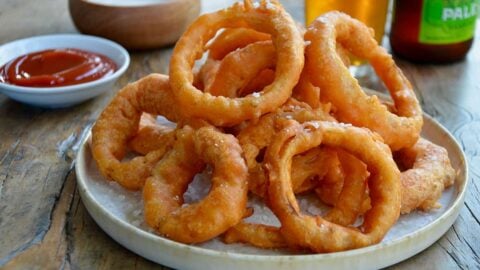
(56, 67)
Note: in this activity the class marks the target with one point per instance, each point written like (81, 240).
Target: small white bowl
(64, 96)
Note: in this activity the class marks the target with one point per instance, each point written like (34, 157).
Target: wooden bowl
(143, 24)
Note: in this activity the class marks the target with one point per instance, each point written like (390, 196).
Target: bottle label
(448, 21)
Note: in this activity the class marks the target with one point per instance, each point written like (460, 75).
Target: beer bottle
(433, 31)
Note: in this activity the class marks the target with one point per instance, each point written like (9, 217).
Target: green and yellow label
(448, 21)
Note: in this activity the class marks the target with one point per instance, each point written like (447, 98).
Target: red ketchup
(56, 67)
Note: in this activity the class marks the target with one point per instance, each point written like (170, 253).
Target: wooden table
(43, 223)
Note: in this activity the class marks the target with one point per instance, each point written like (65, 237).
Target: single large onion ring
(222, 111)
(327, 71)
(322, 162)
(317, 233)
(222, 207)
(429, 173)
(119, 122)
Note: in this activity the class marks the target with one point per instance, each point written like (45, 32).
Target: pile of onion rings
(272, 112)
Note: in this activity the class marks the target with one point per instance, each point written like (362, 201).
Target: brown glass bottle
(405, 37)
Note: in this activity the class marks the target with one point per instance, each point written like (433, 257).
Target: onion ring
(314, 232)
(222, 207)
(258, 235)
(261, 121)
(119, 122)
(343, 91)
(429, 173)
(348, 203)
(222, 111)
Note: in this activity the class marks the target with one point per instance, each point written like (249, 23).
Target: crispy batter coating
(256, 136)
(428, 173)
(119, 122)
(327, 71)
(151, 135)
(232, 76)
(317, 233)
(222, 111)
(221, 208)
(349, 204)
(231, 39)
(265, 123)
(258, 235)
(323, 163)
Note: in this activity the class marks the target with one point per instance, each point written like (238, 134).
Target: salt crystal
(321, 19)
(271, 6)
(315, 124)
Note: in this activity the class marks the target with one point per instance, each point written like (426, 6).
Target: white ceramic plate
(119, 213)
(64, 96)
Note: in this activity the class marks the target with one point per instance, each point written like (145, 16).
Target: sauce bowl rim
(122, 66)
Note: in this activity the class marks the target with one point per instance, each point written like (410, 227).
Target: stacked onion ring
(266, 125)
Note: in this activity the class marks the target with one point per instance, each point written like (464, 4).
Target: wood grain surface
(43, 223)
